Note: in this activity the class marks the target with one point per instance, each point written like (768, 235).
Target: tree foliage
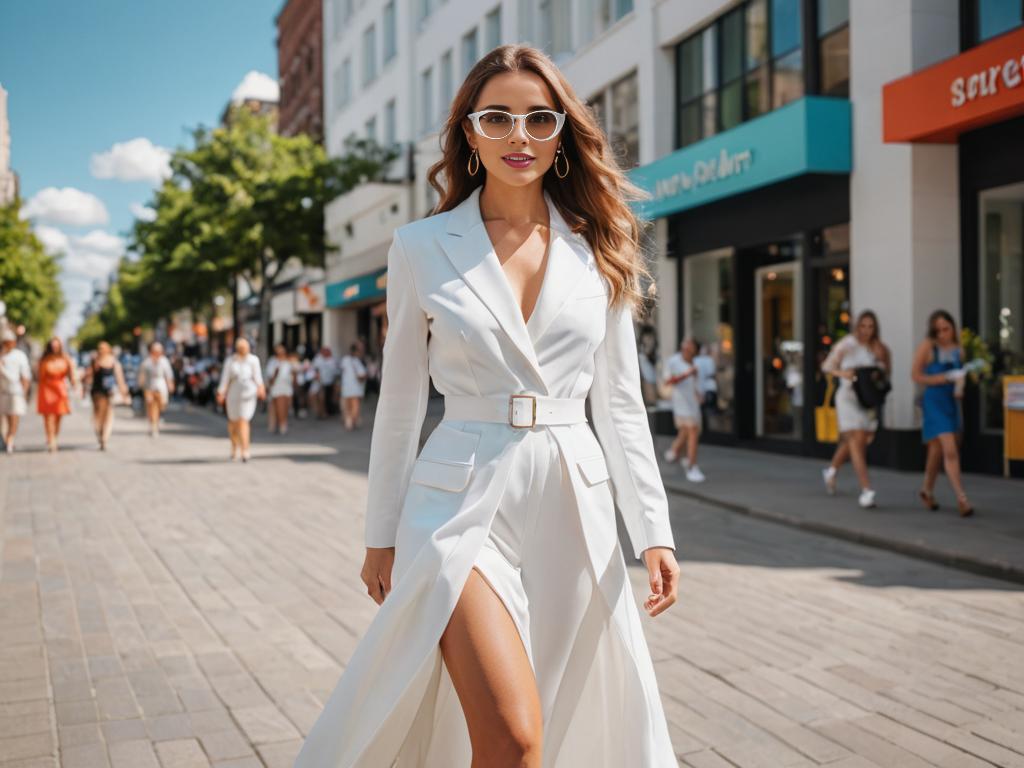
(28, 275)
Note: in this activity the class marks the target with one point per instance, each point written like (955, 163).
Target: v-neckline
(546, 260)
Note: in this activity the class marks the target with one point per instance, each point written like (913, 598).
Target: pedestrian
(508, 633)
(241, 385)
(104, 379)
(682, 374)
(15, 378)
(353, 387)
(156, 380)
(707, 381)
(938, 368)
(281, 378)
(858, 424)
(56, 368)
(326, 368)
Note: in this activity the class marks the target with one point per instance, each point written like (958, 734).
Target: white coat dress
(394, 704)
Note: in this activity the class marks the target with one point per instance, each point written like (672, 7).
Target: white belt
(519, 410)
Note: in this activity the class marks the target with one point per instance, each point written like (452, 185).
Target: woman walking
(937, 367)
(857, 425)
(241, 385)
(683, 375)
(281, 377)
(353, 386)
(104, 378)
(508, 633)
(156, 380)
(56, 368)
(15, 377)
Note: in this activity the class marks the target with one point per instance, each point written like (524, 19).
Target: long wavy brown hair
(593, 199)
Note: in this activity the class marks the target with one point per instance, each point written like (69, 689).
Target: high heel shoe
(928, 500)
(966, 510)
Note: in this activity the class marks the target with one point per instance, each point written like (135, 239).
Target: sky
(99, 93)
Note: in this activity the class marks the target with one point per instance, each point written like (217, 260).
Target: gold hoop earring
(560, 154)
(469, 166)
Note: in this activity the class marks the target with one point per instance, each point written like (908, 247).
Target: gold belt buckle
(511, 411)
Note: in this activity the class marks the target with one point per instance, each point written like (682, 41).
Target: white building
(8, 179)
(794, 183)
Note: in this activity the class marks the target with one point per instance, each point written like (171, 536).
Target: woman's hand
(261, 392)
(663, 571)
(376, 573)
(220, 398)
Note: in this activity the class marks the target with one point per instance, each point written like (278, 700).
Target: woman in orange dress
(52, 402)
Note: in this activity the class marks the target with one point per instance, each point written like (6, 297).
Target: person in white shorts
(682, 375)
(156, 380)
(281, 378)
(15, 377)
(241, 385)
(353, 387)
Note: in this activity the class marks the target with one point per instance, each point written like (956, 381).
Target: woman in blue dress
(938, 368)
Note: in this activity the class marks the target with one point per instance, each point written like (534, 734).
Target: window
(447, 81)
(787, 55)
(730, 101)
(989, 18)
(390, 129)
(338, 17)
(369, 55)
(371, 128)
(625, 129)
(598, 15)
(470, 51)
(423, 9)
(426, 100)
(555, 26)
(708, 312)
(834, 47)
(341, 84)
(758, 85)
(492, 29)
(390, 32)
(698, 79)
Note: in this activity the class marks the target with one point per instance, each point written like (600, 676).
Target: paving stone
(226, 745)
(84, 756)
(133, 754)
(185, 753)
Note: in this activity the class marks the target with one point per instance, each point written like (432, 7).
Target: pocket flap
(450, 445)
(437, 474)
(593, 468)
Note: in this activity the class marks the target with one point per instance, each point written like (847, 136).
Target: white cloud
(142, 212)
(100, 242)
(135, 160)
(53, 240)
(90, 256)
(256, 85)
(68, 206)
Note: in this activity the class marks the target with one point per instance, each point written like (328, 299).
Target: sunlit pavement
(161, 606)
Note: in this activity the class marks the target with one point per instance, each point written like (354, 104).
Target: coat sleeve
(402, 404)
(620, 420)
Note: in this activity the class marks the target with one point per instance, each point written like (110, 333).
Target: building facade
(781, 204)
(300, 68)
(8, 178)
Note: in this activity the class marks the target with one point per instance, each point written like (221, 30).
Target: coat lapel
(469, 248)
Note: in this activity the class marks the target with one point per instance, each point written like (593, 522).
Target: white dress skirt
(240, 382)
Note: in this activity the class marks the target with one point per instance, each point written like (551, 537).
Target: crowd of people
(289, 384)
(862, 365)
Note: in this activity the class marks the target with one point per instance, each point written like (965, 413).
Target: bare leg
(108, 420)
(233, 436)
(692, 440)
(858, 456)
(951, 463)
(678, 442)
(933, 463)
(842, 454)
(281, 415)
(492, 675)
(243, 437)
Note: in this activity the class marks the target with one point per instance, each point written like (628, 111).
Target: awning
(810, 135)
(357, 289)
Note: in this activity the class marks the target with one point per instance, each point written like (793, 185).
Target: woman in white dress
(156, 380)
(241, 385)
(281, 378)
(683, 375)
(353, 387)
(508, 633)
(15, 377)
(857, 424)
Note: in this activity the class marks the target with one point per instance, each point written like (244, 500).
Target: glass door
(707, 280)
(779, 351)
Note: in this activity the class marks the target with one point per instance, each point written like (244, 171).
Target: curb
(976, 566)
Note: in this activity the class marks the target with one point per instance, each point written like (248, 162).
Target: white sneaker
(670, 456)
(829, 476)
(694, 475)
(867, 499)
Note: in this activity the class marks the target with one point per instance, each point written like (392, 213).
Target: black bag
(871, 385)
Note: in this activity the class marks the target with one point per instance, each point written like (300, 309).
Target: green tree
(28, 275)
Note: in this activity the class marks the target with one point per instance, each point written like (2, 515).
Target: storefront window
(779, 351)
(994, 17)
(707, 279)
(834, 47)
(1002, 292)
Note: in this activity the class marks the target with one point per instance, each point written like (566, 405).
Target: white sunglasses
(540, 125)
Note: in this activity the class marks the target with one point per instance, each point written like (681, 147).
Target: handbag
(871, 385)
(826, 423)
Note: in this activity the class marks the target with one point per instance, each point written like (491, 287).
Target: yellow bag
(826, 425)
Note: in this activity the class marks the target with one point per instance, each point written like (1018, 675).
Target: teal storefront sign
(811, 135)
(369, 286)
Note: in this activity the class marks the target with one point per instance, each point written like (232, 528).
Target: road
(160, 606)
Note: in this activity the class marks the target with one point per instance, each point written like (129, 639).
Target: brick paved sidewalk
(163, 608)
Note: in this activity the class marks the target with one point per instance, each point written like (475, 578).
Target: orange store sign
(981, 86)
